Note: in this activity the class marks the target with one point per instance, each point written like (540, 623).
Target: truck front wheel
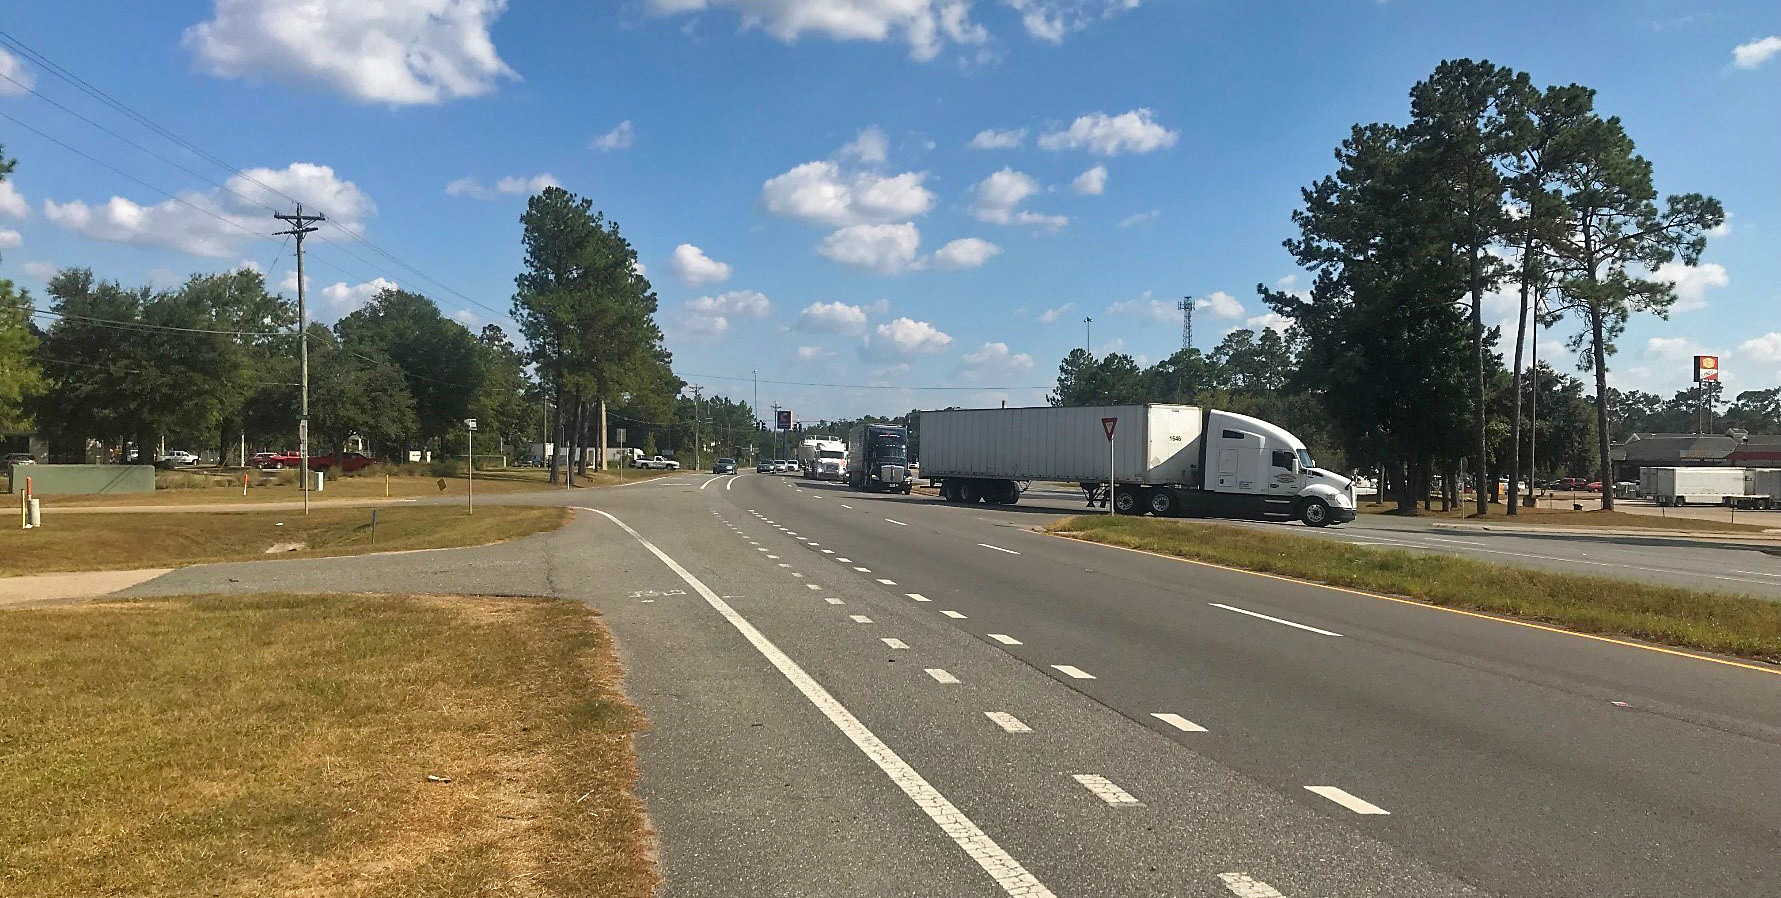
(1315, 512)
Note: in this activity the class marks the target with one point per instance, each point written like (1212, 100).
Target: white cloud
(870, 147)
(1766, 348)
(833, 318)
(42, 271)
(992, 362)
(1050, 316)
(12, 68)
(693, 267)
(10, 239)
(641, 269)
(991, 139)
(881, 248)
(1287, 283)
(808, 354)
(1221, 305)
(1132, 221)
(710, 316)
(11, 202)
(969, 252)
(217, 223)
(512, 185)
(1051, 20)
(619, 138)
(1672, 348)
(1092, 182)
(904, 338)
(1692, 282)
(1110, 135)
(466, 317)
(342, 298)
(927, 26)
(1148, 308)
(1756, 52)
(997, 198)
(401, 52)
(1273, 321)
(819, 192)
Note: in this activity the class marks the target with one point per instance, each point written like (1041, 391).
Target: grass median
(224, 489)
(1565, 517)
(98, 542)
(1715, 622)
(287, 745)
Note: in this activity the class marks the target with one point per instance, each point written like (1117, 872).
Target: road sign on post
(1109, 425)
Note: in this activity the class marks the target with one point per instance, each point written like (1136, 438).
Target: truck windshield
(830, 453)
(1305, 460)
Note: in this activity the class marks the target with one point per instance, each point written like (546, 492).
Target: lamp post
(470, 489)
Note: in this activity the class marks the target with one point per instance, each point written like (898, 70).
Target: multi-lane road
(873, 695)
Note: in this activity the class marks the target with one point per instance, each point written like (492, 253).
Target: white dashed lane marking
(828, 551)
(941, 675)
(860, 618)
(918, 597)
(887, 582)
(1073, 672)
(998, 548)
(1105, 790)
(1245, 886)
(894, 642)
(1007, 872)
(898, 523)
(1277, 620)
(1180, 723)
(1004, 639)
(845, 505)
(1343, 798)
(863, 570)
(1008, 722)
(953, 614)
(834, 601)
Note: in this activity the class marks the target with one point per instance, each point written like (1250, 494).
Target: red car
(276, 460)
(1573, 483)
(1594, 487)
(348, 462)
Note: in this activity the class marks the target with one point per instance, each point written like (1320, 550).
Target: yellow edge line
(1433, 607)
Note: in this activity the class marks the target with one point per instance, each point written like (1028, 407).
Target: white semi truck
(820, 459)
(1704, 486)
(1164, 460)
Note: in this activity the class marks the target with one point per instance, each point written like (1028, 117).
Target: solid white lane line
(952, 614)
(894, 642)
(1001, 867)
(1004, 639)
(998, 548)
(863, 570)
(887, 582)
(1243, 885)
(709, 482)
(1008, 722)
(1106, 791)
(834, 601)
(898, 523)
(732, 484)
(1357, 805)
(1072, 671)
(918, 596)
(1179, 722)
(941, 675)
(1274, 619)
(860, 618)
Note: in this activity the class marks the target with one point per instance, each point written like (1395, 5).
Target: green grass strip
(1737, 625)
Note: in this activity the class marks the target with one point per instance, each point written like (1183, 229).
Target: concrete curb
(1754, 540)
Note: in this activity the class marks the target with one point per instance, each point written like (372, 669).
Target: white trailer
(820, 459)
(1164, 460)
(1695, 486)
(1764, 483)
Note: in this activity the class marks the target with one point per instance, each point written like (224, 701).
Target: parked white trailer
(1694, 486)
(1164, 460)
(1764, 483)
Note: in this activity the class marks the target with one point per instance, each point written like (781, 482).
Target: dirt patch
(277, 548)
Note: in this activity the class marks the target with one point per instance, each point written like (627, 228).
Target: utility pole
(1088, 334)
(1186, 305)
(300, 227)
(756, 409)
(698, 465)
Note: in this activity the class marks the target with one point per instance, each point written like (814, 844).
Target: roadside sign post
(470, 488)
(1109, 425)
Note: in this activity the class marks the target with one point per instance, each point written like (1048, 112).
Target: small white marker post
(470, 488)
(1109, 424)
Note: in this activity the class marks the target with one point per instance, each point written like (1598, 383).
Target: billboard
(784, 421)
(1706, 369)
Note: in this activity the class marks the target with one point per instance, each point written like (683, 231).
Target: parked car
(724, 466)
(20, 458)
(1573, 483)
(179, 458)
(1594, 486)
(764, 466)
(347, 462)
(659, 463)
(530, 461)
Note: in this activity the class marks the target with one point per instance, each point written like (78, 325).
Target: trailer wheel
(1162, 503)
(1125, 501)
(1315, 512)
(968, 492)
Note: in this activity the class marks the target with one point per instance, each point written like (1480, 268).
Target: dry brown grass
(1564, 517)
(97, 542)
(187, 488)
(279, 746)
(1717, 622)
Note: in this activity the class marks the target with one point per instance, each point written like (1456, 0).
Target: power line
(123, 324)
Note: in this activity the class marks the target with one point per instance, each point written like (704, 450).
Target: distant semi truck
(1737, 487)
(878, 458)
(1165, 460)
(820, 459)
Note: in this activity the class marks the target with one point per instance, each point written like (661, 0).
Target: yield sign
(1108, 424)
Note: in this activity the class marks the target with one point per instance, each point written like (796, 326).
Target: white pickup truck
(658, 463)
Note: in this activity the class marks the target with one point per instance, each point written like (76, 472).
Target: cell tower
(1186, 305)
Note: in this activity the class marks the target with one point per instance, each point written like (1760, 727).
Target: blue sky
(800, 176)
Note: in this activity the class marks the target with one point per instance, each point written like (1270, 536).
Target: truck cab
(1250, 459)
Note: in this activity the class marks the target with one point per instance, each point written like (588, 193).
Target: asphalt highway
(871, 695)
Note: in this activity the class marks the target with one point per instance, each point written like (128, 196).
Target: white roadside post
(1109, 424)
(470, 488)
